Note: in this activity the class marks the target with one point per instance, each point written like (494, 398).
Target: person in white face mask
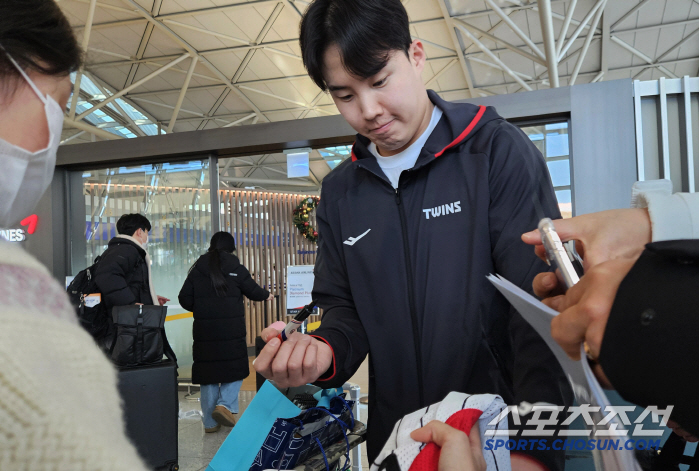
(59, 405)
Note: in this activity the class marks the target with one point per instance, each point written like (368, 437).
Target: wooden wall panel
(267, 242)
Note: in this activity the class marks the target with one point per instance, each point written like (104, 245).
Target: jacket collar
(459, 122)
(125, 239)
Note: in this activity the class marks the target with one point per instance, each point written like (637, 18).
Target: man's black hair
(365, 32)
(130, 223)
(39, 37)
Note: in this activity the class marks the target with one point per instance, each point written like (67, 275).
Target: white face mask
(25, 175)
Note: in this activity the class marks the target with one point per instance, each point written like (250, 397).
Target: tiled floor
(196, 448)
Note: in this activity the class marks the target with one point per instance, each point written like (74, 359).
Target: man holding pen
(435, 197)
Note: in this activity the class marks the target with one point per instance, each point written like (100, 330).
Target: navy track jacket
(401, 274)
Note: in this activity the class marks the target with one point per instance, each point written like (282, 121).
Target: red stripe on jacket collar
(457, 141)
(467, 131)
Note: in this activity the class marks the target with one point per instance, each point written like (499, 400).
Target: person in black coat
(123, 274)
(214, 291)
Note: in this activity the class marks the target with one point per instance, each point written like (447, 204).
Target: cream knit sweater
(59, 405)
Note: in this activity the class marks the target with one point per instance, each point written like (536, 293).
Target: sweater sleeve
(672, 217)
(520, 189)
(186, 296)
(248, 286)
(341, 327)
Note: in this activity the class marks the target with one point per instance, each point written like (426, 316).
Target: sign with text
(299, 284)
(20, 235)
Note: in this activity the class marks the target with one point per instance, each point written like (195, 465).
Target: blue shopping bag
(273, 429)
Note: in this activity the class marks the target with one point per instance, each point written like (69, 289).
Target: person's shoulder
(338, 181)
(229, 261)
(124, 246)
(11, 254)
(342, 172)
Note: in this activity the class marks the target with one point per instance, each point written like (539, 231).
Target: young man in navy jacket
(435, 197)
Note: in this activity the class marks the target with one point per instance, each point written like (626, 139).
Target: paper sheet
(585, 386)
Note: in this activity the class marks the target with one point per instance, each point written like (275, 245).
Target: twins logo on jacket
(402, 272)
(451, 208)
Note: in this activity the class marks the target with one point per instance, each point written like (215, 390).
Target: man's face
(141, 235)
(388, 107)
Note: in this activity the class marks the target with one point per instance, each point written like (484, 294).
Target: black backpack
(93, 319)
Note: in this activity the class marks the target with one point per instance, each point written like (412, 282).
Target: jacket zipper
(411, 297)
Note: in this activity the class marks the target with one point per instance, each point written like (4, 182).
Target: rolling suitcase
(151, 408)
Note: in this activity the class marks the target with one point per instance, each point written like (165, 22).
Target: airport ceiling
(187, 65)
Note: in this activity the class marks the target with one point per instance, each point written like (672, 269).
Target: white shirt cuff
(672, 217)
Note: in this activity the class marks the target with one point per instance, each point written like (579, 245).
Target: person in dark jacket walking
(435, 197)
(214, 291)
(123, 274)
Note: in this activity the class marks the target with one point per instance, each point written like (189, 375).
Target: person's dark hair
(365, 32)
(220, 242)
(38, 36)
(130, 223)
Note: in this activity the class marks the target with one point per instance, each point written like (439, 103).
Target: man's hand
(607, 235)
(585, 308)
(298, 361)
(162, 300)
(270, 297)
(459, 451)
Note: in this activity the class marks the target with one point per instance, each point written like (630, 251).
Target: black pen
(296, 322)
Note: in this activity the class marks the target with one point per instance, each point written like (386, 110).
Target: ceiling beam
(517, 50)
(457, 45)
(211, 87)
(629, 13)
(83, 126)
(182, 14)
(246, 60)
(564, 27)
(606, 37)
(131, 124)
(549, 42)
(495, 58)
(183, 92)
(581, 26)
(79, 74)
(131, 87)
(591, 74)
(586, 44)
(194, 52)
(516, 29)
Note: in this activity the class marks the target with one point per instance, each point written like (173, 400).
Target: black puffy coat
(122, 274)
(220, 349)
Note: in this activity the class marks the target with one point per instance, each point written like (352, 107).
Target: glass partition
(176, 199)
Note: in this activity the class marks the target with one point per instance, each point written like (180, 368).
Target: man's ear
(417, 55)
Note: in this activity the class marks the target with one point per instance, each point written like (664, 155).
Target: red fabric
(428, 458)
(354, 157)
(331, 349)
(466, 132)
